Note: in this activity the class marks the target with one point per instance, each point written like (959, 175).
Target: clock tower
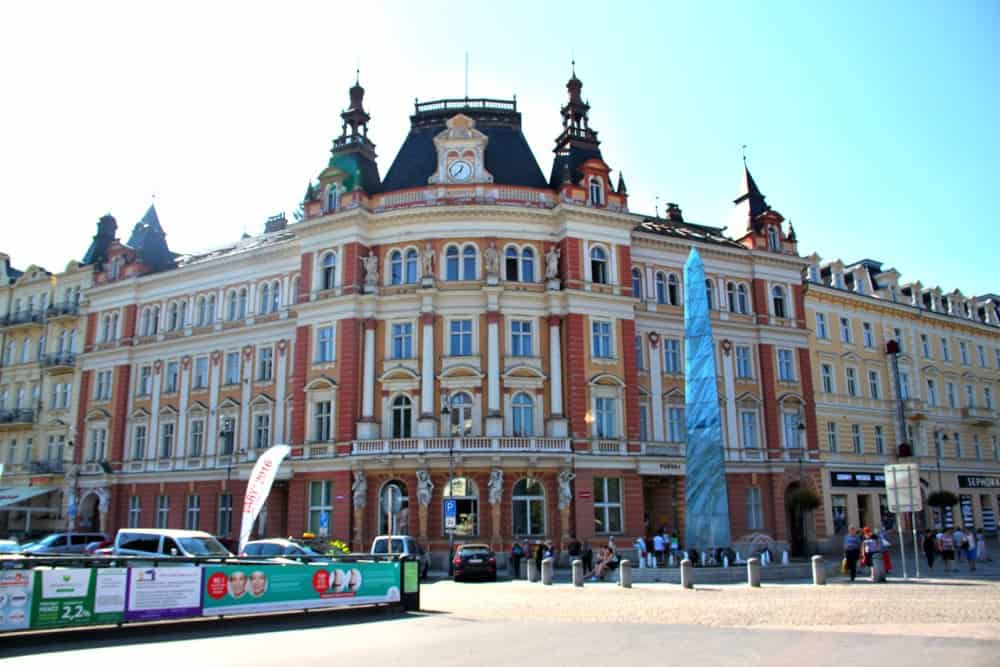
(461, 151)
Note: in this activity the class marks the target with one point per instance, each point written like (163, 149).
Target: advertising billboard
(67, 597)
(15, 600)
(155, 593)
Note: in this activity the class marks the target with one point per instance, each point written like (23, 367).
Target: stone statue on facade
(103, 499)
(370, 265)
(360, 489)
(552, 263)
(427, 259)
(565, 490)
(425, 488)
(491, 258)
(495, 486)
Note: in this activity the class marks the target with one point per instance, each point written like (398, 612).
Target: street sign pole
(902, 486)
(916, 552)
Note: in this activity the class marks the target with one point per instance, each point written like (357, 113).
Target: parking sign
(450, 513)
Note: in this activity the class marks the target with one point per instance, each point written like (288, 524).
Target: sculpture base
(368, 430)
(427, 282)
(553, 284)
(557, 427)
(427, 427)
(494, 426)
(492, 281)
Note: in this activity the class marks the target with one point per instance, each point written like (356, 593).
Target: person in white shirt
(659, 548)
(981, 554)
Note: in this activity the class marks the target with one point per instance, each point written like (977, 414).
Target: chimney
(674, 212)
(275, 223)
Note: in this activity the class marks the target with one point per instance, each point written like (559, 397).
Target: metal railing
(17, 416)
(22, 317)
(461, 444)
(66, 359)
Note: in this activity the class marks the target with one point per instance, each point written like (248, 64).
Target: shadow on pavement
(34, 643)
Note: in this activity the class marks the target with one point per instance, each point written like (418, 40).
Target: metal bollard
(753, 572)
(578, 573)
(687, 573)
(533, 574)
(625, 574)
(878, 568)
(819, 571)
(547, 572)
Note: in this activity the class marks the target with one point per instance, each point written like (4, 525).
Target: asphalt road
(440, 639)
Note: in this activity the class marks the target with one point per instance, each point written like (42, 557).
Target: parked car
(9, 547)
(474, 560)
(405, 545)
(273, 547)
(62, 543)
(165, 542)
(98, 547)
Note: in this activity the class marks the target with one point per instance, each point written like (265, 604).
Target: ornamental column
(656, 385)
(494, 419)
(367, 428)
(427, 427)
(557, 427)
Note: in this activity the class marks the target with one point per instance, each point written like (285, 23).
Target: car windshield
(477, 552)
(202, 546)
(9, 547)
(49, 540)
(307, 550)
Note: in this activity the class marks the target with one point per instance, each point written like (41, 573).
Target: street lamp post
(446, 415)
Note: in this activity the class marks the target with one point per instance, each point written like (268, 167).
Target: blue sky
(873, 128)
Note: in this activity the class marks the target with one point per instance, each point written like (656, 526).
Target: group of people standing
(867, 548)
(664, 545)
(955, 545)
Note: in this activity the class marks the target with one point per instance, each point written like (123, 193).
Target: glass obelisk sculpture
(707, 502)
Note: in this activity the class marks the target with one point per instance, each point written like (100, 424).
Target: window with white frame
(748, 429)
(744, 362)
(192, 517)
(601, 340)
(673, 290)
(672, 356)
(786, 366)
(949, 392)
(139, 442)
(98, 444)
(411, 266)
(166, 440)
(162, 511)
(460, 338)
(868, 335)
(821, 330)
(607, 505)
(262, 431)
(970, 396)
(596, 193)
(232, 372)
(755, 508)
(265, 364)
(987, 398)
(328, 278)
(200, 378)
(225, 515)
(321, 421)
(879, 440)
(857, 439)
(709, 294)
(925, 346)
(637, 283)
(172, 377)
(845, 330)
(904, 385)
(791, 421)
(963, 352)
(981, 356)
(528, 502)
(527, 265)
(958, 444)
(324, 344)
(103, 386)
(145, 387)
(977, 448)
(604, 417)
(945, 349)
(452, 263)
(826, 376)
(640, 356)
(265, 299)
(874, 385)
(241, 311)
(402, 340)
(56, 446)
(521, 338)
(196, 438)
(852, 381)
(832, 439)
(644, 421)
(676, 430)
(401, 417)
(523, 407)
(134, 512)
(932, 398)
(661, 288)
(461, 414)
(773, 241)
(599, 272)
(778, 301)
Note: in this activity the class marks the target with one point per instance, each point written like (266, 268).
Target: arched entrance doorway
(394, 509)
(88, 515)
(800, 502)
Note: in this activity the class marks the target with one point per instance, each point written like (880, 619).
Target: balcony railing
(462, 444)
(978, 416)
(22, 317)
(61, 360)
(46, 467)
(62, 310)
(17, 417)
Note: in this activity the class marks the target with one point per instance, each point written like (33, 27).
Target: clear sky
(872, 126)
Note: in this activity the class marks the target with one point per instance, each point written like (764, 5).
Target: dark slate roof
(361, 171)
(576, 156)
(751, 200)
(686, 230)
(107, 227)
(12, 273)
(508, 157)
(149, 240)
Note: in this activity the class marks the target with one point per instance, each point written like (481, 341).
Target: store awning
(12, 495)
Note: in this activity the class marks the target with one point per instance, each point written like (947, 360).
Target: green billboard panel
(68, 597)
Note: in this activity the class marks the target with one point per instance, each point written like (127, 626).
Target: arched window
(596, 198)
(523, 415)
(411, 266)
(461, 414)
(709, 289)
(105, 330)
(731, 297)
(265, 298)
(242, 310)
(332, 198)
(673, 290)
(463, 491)
(637, 283)
(329, 270)
(394, 509)
(275, 296)
(510, 263)
(396, 268)
(773, 242)
(528, 265)
(528, 499)
(295, 290)
(402, 414)
(778, 299)
(172, 324)
(211, 310)
(147, 324)
(742, 299)
(661, 288)
(199, 313)
(469, 263)
(231, 307)
(451, 263)
(598, 266)
(156, 320)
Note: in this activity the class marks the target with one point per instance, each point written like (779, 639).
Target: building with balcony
(902, 366)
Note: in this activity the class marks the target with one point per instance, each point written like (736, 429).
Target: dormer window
(332, 199)
(596, 192)
(773, 242)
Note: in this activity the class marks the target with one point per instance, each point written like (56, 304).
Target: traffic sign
(450, 513)
(324, 522)
(902, 488)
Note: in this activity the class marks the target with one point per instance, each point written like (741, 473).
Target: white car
(404, 545)
(274, 547)
(163, 542)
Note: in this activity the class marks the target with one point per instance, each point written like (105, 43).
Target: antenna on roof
(656, 206)
(466, 75)
(744, 149)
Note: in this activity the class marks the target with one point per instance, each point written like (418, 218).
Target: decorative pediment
(97, 414)
(229, 403)
(747, 400)
(141, 414)
(931, 369)
(461, 371)
(791, 397)
(262, 400)
(851, 356)
(168, 411)
(324, 382)
(524, 371)
(399, 373)
(461, 150)
(198, 408)
(607, 380)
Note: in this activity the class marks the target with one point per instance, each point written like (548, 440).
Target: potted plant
(942, 499)
(802, 500)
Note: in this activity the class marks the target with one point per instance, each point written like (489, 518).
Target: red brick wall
(583, 502)
(81, 416)
(625, 269)
(570, 262)
(128, 324)
(633, 508)
(805, 372)
(91, 332)
(352, 267)
(575, 339)
(798, 297)
(631, 383)
(765, 356)
(301, 365)
(759, 293)
(348, 380)
(297, 505)
(118, 415)
(305, 277)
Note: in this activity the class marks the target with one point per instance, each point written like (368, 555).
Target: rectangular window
(640, 356)
(139, 443)
(192, 518)
(261, 431)
(981, 356)
(172, 376)
(826, 373)
(932, 394)
(963, 352)
(644, 422)
(845, 330)
(869, 335)
(461, 338)
(852, 381)
(755, 508)
(265, 364)
(786, 366)
(958, 445)
(832, 440)
(938, 448)
(856, 439)
(166, 441)
(748, 427)
(793, 434)
(879, 441)
(672, 356)
(145, 381)
(402, 340)
(162, 511)
(605, 418)
(102, 387)
(134, 512)
(904, 386)
(201, 373)
(98, 444)
(321, 421)
(55, 453)
(601, 340)
(197, 438)
(324, 344)
(607, 505)
(945, 350)
(987, 398)
(949, 392)
(675, 425)
(897, 334)
(874, 385)
(925, 346)
(744, 364)
(970, 396)
(978, 449)
(232, 375)
(320, 507)
(821, 330)
(225, 513)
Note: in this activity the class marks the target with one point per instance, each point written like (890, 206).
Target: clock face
(460, 170)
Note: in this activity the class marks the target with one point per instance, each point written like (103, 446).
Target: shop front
(857, 498)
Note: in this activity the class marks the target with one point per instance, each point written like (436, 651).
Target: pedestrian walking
(640, 550)
(961, 545)
(852, 551)
(539, 556)
(970, 548)
(871, 548)
(660, 549)
(516, 554)
(946, 547)
(930, 545)
(587, 555)
(981, 553)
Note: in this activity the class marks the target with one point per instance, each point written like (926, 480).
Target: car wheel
(493, 577)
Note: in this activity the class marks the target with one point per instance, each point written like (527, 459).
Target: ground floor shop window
(607, 505)
(755, 508)
(225, 514)
(839, 506)
(529, 508)
(463, 491)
